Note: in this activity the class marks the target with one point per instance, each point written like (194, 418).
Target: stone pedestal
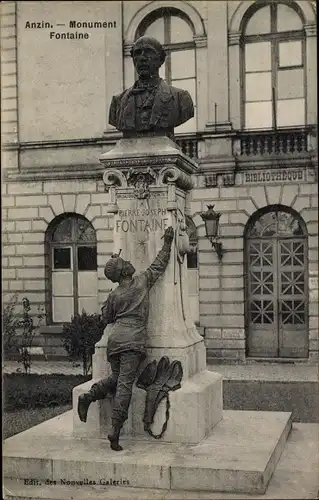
(149, 181)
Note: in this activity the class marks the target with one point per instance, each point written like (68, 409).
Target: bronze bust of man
(151, 105)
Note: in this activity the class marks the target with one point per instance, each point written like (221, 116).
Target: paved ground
(44, 367)
(259, 371)
(268, 371)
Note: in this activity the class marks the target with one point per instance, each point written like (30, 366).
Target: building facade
(250, 67)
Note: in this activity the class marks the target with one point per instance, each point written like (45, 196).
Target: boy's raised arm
(157, 268)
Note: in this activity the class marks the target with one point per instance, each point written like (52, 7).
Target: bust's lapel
(127, 111)
(162, 97)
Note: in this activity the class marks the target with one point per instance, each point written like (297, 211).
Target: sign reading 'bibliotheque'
(283, 175)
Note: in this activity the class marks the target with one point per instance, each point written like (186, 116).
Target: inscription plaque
(283, 175)
(142, 220)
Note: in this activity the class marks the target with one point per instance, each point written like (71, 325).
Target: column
(113, 56)
(218, 80)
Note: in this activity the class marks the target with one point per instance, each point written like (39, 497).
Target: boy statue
(126, 309)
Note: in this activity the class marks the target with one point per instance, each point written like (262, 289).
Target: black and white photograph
(160, 333)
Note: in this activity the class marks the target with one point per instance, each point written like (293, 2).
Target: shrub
(10, 323)
(80, 336)
(28, 333)
(18, 333)
(38, 391)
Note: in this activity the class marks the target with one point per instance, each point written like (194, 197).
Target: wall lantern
(211, 219)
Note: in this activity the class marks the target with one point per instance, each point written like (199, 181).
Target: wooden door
(276, 287)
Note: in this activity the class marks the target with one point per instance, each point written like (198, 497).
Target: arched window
(276, 287)
(72, 265)
(174, 30)
(273, 67)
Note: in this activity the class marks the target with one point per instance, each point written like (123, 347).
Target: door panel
(292, 321)
(262, 312)
(276, 302)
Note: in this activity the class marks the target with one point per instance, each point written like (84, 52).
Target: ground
(21, 420)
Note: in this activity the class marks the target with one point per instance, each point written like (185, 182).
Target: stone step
(239, 456)
(17, 490)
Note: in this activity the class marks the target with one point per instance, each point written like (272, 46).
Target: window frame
(167, 13)
(61, 245)
(73, 244)
(274, 38)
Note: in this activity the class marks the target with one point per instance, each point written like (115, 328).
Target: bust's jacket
(171, 108)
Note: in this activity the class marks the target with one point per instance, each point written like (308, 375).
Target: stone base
(239, 456)
(192, 357)
(195, 409)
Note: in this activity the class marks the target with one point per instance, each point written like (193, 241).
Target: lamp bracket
(218, 247)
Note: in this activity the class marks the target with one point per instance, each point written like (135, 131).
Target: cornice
(62, 172)
(63, 143)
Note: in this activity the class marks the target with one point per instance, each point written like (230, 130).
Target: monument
(150, 180)
(176, 435)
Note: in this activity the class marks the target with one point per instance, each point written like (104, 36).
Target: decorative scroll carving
(167, 174)
(173, 175)
(113, 178)
(141, 180)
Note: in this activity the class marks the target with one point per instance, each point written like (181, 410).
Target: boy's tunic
(127, 308)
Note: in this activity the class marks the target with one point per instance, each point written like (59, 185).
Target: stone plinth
(195, 409)
(238, 456)
(149, 180)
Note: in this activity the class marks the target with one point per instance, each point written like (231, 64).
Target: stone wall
(222, 285)
(9, 82)
(28, 208)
